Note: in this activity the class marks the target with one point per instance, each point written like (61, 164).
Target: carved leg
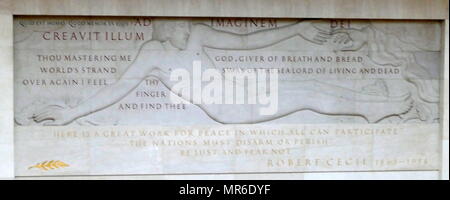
(325, 99)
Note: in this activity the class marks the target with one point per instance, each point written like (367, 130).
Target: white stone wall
(373, 9)
(445, 119)
(6, 97)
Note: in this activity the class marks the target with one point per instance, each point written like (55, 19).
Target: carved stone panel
(103, 95)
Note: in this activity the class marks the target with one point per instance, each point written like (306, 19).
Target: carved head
(173, 30)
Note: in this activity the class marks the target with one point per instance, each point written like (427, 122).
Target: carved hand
(55, 115)
(349, 39)
(313, 31)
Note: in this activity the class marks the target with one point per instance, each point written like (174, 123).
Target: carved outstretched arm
(113, 93)
(260, 39)
(133, 76)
